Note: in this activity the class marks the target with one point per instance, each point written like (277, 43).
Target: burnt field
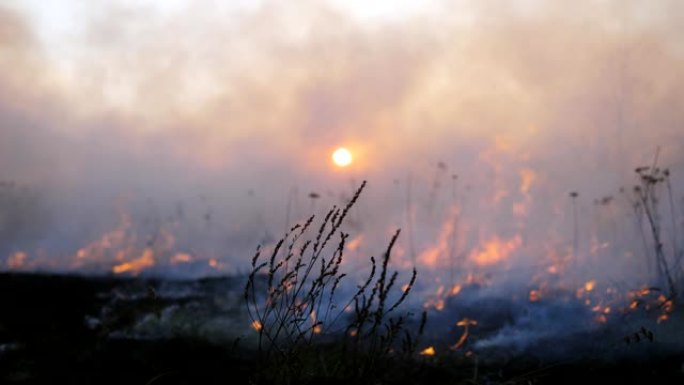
(140, 306)
(341, 191)
(78, 330)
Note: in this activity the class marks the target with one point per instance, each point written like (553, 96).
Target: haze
(228, 115)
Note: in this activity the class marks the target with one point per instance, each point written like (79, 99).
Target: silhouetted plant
(647, 204)
(294, 300)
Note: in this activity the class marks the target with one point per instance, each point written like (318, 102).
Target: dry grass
(299, 309)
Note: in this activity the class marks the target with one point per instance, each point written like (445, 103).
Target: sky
(242, 103)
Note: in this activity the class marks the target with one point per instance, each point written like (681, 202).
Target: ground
(52, 330)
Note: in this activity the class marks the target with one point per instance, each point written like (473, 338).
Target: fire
(527, 179)
(354, 244)
(429, 351)
(535, 295)
(181, 258)
(17, 260)
(118, 241)
(434, 256)
(589, 285)
(465, 323)
(438, 301)
(256, 325)
(146, 260)
(317, 327)
(495, 251)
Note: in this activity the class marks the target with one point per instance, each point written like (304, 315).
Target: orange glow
(495, 250)
(181, 258)
(535, 295)
(342, 157)
(589, 286)
(17, 260)
(527, 178)
(137, 265)
(465, 323)
(435, 255)
(429, 351)
(317, 327)
(256, 325)
(354, 244)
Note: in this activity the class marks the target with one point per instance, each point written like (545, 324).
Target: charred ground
(71, 329)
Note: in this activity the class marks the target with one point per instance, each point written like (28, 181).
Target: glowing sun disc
(342, 157)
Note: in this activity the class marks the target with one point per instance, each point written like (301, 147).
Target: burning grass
(294, 300)
(303, 313)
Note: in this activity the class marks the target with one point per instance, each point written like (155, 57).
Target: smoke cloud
(481, 113)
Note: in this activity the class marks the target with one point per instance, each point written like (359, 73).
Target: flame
(438, 302)
(181, 258)
(495, 250)
(434, 303)
(465, 323)
(527, 179)
(429, 351)
(17, 260)
(118, 241)
(431, 256)
(316, 326)
(146, 260)
(256, 325)
(535, 295)
(589, 285)
(354, 244)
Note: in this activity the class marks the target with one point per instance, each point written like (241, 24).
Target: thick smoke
(472, 124)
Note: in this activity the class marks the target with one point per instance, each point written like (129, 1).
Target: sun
(342, 157)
